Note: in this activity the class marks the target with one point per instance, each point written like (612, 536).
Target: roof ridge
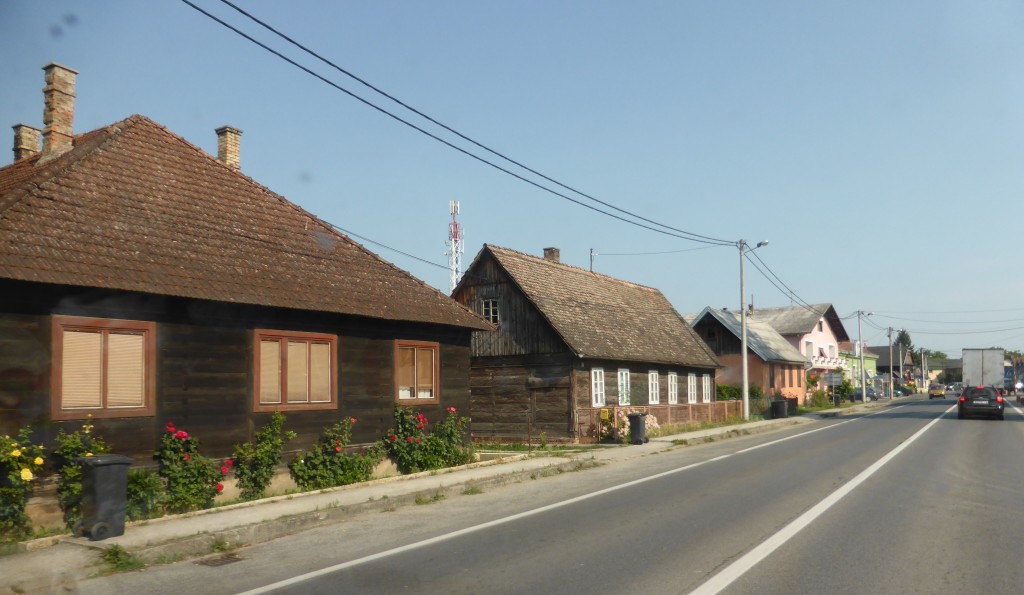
(543, 260)
(59, 165)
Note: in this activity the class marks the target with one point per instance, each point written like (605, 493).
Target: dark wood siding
(719, 339)
(204, 367)
(521, 328)
(513, 398)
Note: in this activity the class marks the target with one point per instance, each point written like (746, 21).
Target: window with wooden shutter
(102, 367)
(416, 372)
(295, 371)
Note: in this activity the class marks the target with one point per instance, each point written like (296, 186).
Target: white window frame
(809, 349)
(705, 389)
(691, 388)
(832, 351)
(623, 386)
(673, 388)
(653, 388)
(597, 396)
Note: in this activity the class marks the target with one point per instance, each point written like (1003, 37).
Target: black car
(980, 400)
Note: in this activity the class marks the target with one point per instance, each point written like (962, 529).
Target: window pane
(81, 373)
(320, 372)
(298, 369)
(126, 363)
(406, 372)
(425, 373)
(270, 372)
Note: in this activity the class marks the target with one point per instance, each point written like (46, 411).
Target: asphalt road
(908, 499)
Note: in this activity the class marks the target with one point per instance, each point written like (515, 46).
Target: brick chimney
(229, 146)
(26, 141)
(552, 254)
(59, 110)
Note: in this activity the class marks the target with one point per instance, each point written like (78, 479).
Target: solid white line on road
(738, 568)
(745, 450)
(412, 546)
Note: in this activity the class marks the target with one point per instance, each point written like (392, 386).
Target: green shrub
(820, 400)
(255, 463)
(20, 463)
(327, 464)
(413, 450)
(146, 495)
(724, 392)
(193, 480)
(71, 447)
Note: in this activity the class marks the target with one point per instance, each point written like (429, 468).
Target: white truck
(983, 367)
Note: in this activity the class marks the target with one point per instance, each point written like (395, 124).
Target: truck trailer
(983, 367)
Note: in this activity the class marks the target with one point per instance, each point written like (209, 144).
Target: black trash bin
(104, 494)
(637, 428)
(779, 409)
(837, 400)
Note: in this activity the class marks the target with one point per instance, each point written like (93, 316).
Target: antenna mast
(456, 246)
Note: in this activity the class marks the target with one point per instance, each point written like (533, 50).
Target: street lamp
(742, 245)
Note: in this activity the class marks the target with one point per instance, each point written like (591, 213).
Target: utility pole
(742, 245)
(591, 260)
(860, 345)
(890, 363)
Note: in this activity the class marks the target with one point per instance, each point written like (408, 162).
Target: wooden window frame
(261, 334)
(597, 388)
(653, 388)
(436, 347)
(673, 388)
(490, 311)
(104, 326)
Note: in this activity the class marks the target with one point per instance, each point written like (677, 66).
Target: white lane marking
(738, 568)
(405, 548)
(745, 450)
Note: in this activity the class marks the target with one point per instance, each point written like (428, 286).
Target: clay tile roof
(135, 207)
(603, 317)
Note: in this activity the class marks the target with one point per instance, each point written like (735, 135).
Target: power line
(949, 321)
(687, 235)
(652, 253)
(792, 293)
(452, 130)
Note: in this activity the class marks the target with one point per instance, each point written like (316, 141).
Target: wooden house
(143, 281)
(573, 346)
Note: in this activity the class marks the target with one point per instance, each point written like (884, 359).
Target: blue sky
(876, 145)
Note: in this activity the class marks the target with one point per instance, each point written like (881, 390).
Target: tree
(903, 344)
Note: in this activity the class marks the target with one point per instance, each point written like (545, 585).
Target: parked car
(900, 391)
(871, 393)
(980, 400)
(936, 390)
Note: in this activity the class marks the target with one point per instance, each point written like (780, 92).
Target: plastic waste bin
(637, 428)
(779, 409)
(104, 494)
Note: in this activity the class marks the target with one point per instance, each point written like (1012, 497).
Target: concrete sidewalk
(52, 564)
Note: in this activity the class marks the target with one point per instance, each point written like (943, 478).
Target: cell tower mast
(456, 246)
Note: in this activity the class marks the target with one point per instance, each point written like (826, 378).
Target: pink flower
(408, 438)
(452, 409)
(393, 438)
(181, 435)
(224, 470)
(220, 488)
(187, 457)
(352, 420)
(417, 441)
(170, 427)
(229, 462)
(337, 449)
